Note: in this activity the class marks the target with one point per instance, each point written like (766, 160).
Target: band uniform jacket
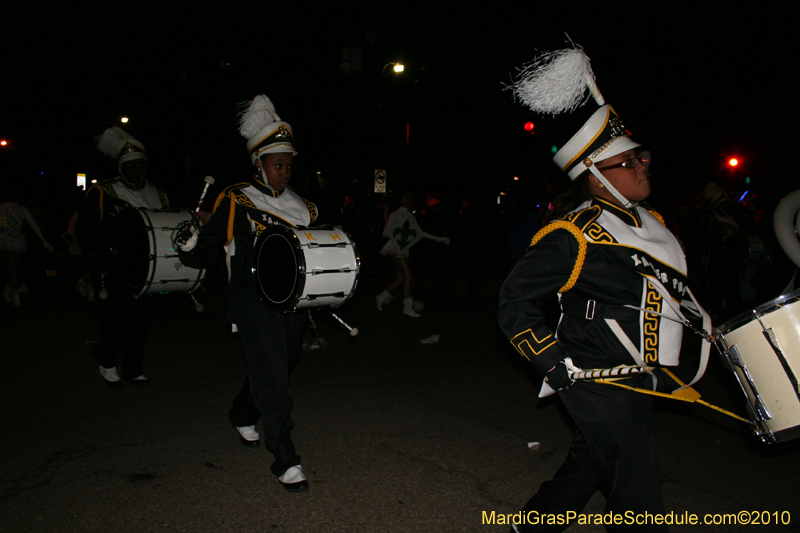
(241, 213)
(598, 259)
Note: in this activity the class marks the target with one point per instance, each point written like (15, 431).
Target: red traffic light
(529, 127)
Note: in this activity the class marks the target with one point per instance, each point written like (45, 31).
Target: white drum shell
(165, 272)
(761, 365)
(322, 260)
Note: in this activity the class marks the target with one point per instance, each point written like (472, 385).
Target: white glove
(48, 246)
(445, 240)
(191, 242)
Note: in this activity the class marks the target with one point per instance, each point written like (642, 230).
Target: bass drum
(762, 348)
(144, 256)
(298, 267)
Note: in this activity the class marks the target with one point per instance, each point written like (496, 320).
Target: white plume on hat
(556, 82)
(113, 143)
(264, 130)
(258, 115)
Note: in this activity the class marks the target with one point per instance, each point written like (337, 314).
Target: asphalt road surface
(395, 435)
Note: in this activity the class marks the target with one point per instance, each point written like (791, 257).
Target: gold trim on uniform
(637, 222)
(657, 216)
(526, 341)
(312, 209)
(653, 302)
(582, 244)
(588, 144)
(598, 234)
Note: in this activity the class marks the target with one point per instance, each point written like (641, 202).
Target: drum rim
(763, 309)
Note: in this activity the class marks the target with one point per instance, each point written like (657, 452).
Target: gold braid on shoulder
(230, 219)
(218, 201)
(582, 245)
(657, 216)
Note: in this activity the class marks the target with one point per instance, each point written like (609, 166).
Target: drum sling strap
(685, 393)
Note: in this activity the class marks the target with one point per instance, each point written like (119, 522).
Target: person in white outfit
(13, 244)
(403, 232)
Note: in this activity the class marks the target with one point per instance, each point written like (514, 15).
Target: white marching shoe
(408, 308)
(111, 377)
(248, 436)
(294, 480)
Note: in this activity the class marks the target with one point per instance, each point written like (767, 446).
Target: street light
(397, 67)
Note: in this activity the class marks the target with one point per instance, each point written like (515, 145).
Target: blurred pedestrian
(403, 232)
(13, 244)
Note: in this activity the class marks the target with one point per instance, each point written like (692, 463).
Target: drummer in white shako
(271, 339)
(125, 320)
(620, 276)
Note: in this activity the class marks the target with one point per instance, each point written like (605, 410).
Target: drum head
(277, 268)
(131, 251)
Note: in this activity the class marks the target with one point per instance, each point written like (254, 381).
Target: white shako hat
(601, 137)
(264, 130)
(556, 83)
(118, 144)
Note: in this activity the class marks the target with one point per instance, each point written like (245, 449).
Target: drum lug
(756, 407)
(775, 344)
(736, 358)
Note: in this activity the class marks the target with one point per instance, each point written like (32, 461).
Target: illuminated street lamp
(397, 67)
(124, 120)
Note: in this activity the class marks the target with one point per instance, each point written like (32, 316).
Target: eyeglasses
(643, 158)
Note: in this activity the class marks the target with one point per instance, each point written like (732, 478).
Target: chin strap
(624, 201)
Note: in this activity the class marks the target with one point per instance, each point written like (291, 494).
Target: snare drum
(762, 348)
(298, 267)
(145, 257)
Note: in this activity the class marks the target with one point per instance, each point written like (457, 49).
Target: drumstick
(353, 331)
(209, 181)
(611, 372)
(103, 293)
(197, 305)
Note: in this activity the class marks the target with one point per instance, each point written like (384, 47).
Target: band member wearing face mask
(125, 320)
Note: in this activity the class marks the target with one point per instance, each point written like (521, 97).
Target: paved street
(395, 435)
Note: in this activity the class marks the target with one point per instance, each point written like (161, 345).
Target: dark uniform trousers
(272, 348)
(124, 324)
(614, 450)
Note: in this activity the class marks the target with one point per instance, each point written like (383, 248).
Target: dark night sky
(694, 84)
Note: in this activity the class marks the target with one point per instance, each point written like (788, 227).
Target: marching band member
(271, 340)
(125, 321)
(614, 266)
